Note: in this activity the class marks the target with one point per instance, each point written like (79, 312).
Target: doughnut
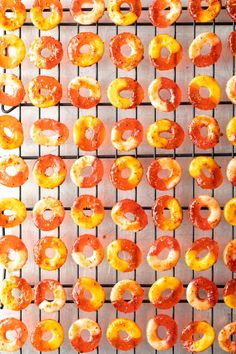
(195, 97)
(48, 22)
(202, 40)
(13, 253)
(10, 60)
(124, 19)
(213, 179)
(229, 293)
(14, 171)
(135, 173)
(224, 338)
(232, 42)
(47, 345)
(160, 286)
(231, 171)
(174, 48)
(214, 212)
(50, 262)
(229, 211)
(84, 101)
(230, 89)
(92, 55)
(208, 141)
(9, 301)
(118, 262)
(97, 294)
(41, 126)
(162, 13)
(18, 14)
(81, 218)
(163, 164)
(229, 255)
(87, 17)
(15, 93)
(231, 131)
(80, 344)
(135, 129)
(198, 263)
(125, 84)
(80, 245)
(118, 291)
(57, 214)
(95, 176)
(162, 243)
(21, 334)
(11, 133)
(119, 215)
(52, 46)
(133, 331)
(49, 84)
(54, 288)
(176, 214)
(164, 104)
(201, 14)
(197, 345)
(126, 61)
(171, 335)
(230, 8)
(155, 138)
(193, 294)
(17, 215)
(81, 133)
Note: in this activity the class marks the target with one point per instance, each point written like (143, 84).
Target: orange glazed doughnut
(120, 18)
(197, 169)
(80, 298)
(80, 344)
(229, 255)
(8, 244)
(19, 171)
(93, 178)
(9, 301)
(230, 7)
(232, 42)
(214, 92)
(78, 215)
(176, 213)
(229, 293)
(41, 126)
(230, 89)
(20, 329)
(117, 172)
(224, 338)
(79, 257)
(155, 138)
(200, 14)
(53, 287)
(197, 345)
(50, 44)
(193, 294)
(18, 212)
(10, 60)
(18, 14)
(53, 91)
(213, 132)
(164, 183)
(88, 83)
(210, 221)
(161, 18)
(87, 17)
(15, 138)
(17, 93)
(120, 128)
(38, 333)
(82, 126)
(48, 22)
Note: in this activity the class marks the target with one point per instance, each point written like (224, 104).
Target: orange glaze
(38, 129)
(9, 301)
(17, 89)
(135, 169)
(119, 290)
(48, 204)
(232, 42)
(53, 287)
(229, 255)
(20, 168)
(133, 141)
(213, 132)
(82, 126)
(45, 326)
(210, 221)
(230, 7)
(79, 216)
(161, 164)
(176, 214)
(12, 324)
(155, 138)
(193, 294)
(16, 137)
(96, 175)
(87, 17)
(197, 169)
(229, 293)
(12, 243)
(197, 345)
(161, 18)
(80, 344)
(45, 23)
(80, 244)
(18, 14)
(53, 91)
(196, 99)
(45, 43)
(204, 15)
(86, 82)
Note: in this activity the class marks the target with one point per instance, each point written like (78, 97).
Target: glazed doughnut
(229, 255)
(54, 288)
(164, 84)
(156, 140)
(50, 44)
(50, 262)
(49, 22)
(204, 15)
(78, 342)
(119, 215)
(9, 301)
(176, 214)
(122, 164)
(16, 93)
(120, 128)
(48, 345)
(78, 255)
(198, 263)
(195, 97)
(230, 7)
(159, 165)
(116, 261)
(193, 294)
(175, 52)
(18, 212)
(212, 219)
(162, 243)
(87, 17)
(119, 289)
(38, 129)
(125, 84)
(79, 216)
(232, 42)
(93, 178)
(12, 245)
(82, 126)
(224, 338)
(202, 163)
(57, 214)
(160, 286)
(134, 334)
(88, 83)
(202, 40)
(20, 329)
(18, 14)
(171, 335)
(15, 138)
(197, 345)
(124, 19)
(230, 89)
(53, 91)
(8, 60)
(18, 168)
(229, 211)
(90, 57)
(82, 301)
(213, 132)
(231, 131)
(231, 171)
(123, 61)
(161, 18)
(229, 293)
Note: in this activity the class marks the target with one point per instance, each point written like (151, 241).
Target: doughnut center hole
(126, 134)
(164, 173)
(88, 251)
(44, 92)
(166, 293)
(11, 335)
(49, 171)
(48, 132)
(165, 52)
(204, 92)
(130, 216)
(164, 94)
(45, 52)
(85, 335)
(125, 93)
(49, 296)
(47, 214)
(161, 332)
(9, 51)
(16, 293)
(11, 171)
(89, 133)
(206, 49)
(125, 7)
(11, 255)
(206, 172)
(125, 173)
(46, 336)
(123, 335)
(9, 89)
(50, 252)
(46, 12)
(10, 214)
(87, 294)
(202, 253)
(166, 135)
(166, 214)
(88, 212)
(204, 132)
(86, 171)
(84, 92)
(9, 13)
(164, 253)
(87, 5)
(126, 50)
(127, 296)
(204, 212)
(8, 132)
(85, 48)
(202, 294)
(197, 336)
(204, 4)
(124, 255)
